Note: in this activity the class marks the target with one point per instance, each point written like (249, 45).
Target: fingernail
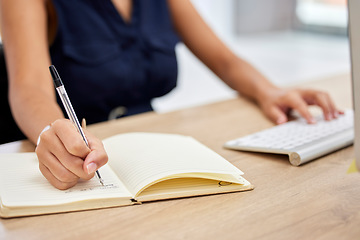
(329, 116)
(280, 120)
(91, 168)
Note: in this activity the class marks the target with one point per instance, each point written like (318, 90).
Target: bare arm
(239, 74)
(31, 93)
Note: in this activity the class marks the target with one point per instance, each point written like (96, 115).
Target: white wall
(196, 83)
(219, 14)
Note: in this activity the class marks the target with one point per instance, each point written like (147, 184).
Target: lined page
(142, 158)
(22, 184)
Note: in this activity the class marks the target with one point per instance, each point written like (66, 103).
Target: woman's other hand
(277, 104)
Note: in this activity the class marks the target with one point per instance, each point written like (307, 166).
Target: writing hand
(64, 157)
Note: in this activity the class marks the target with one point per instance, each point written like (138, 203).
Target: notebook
(142, 167)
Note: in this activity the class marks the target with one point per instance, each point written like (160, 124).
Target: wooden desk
(315, 201)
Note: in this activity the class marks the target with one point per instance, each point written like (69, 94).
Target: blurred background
(289, 41)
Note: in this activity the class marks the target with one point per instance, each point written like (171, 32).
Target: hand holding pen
(68, 107)
(64, 156)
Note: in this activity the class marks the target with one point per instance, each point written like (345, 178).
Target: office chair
(9, 131)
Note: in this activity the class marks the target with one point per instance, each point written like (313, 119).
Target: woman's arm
(239, 74)
(31, 93)
(63, 155)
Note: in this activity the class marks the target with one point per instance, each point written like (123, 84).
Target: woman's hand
(64, 157)
(277, 104)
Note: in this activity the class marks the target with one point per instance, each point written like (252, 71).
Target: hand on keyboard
(277, 103)
(303, 142)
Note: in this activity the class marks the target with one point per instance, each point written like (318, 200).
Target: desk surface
(315, 201)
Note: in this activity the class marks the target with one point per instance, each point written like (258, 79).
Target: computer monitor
(354, 37)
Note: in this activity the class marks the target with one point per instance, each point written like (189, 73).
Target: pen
(68, 107)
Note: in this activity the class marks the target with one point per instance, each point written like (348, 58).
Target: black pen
(68, 107)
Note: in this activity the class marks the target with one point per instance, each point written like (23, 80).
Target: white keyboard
(303, 142)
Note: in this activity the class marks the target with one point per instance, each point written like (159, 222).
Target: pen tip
(99, 177)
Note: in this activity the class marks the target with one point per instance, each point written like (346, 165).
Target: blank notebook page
(141, 158)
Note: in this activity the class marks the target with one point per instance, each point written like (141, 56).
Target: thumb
(97, 156)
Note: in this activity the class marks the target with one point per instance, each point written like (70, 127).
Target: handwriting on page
(30, 188)
(92, 188)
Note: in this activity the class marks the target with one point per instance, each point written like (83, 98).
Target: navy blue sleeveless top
(105, 62)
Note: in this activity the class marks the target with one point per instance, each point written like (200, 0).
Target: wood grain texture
(315, 201)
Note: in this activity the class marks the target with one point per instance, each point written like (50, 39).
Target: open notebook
(142, 167)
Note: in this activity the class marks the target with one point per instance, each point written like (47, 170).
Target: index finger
(71, 138)
(298, 103)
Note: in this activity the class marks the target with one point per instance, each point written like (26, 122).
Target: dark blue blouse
(105, 62)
